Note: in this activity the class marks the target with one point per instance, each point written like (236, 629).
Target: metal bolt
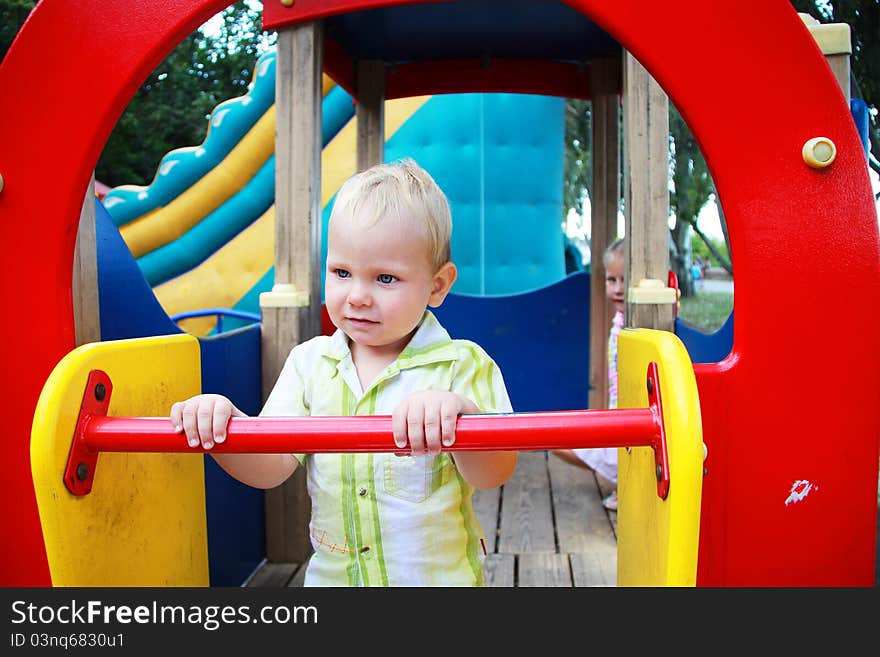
(650, 386)
(82, 471)
(659, 472)
(705, 471)
(100, 392)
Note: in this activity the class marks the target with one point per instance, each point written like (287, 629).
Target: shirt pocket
(415, 478)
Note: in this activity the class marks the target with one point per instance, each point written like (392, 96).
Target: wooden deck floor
(545, 527)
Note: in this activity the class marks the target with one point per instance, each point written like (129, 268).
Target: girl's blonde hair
(399, 189)
(613, 249)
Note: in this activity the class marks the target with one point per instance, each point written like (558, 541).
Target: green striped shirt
(381, 519)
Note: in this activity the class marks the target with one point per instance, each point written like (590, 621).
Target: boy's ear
(443, 280)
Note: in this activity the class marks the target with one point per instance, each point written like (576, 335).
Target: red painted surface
(119, 43)
(796, 400)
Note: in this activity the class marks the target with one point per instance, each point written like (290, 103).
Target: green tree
(577, 171)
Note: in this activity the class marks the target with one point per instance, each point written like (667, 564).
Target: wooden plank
(839, 64)
(287, 507)
(298, 579)
(370, 113)
(486, 503)
(287, 321)
(500, 570)
(526, 514)
(605, 488)
(273, 575)
(594, 568)
(605, 82)
(646, 190)
(298, 157)
(544, 569)
(582, 523)
(86, 309)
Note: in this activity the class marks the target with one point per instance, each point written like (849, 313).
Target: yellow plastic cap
(652, 290)
(819, 152)
(284, 295)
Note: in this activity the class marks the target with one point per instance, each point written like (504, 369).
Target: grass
(707, 310)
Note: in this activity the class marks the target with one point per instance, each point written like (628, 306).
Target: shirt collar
(430, 344)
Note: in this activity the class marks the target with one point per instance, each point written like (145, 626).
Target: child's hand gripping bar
(96, 432)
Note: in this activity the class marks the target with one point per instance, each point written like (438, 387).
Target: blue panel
(129, 308)
(235, 512)
(540, 340)
(499, 159)
(706, 347)
(514, 29)
(859, 110)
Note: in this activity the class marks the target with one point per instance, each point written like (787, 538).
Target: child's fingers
(220, 419)
(190, 424)
(432, 428)
(448, 418)
(415, 427)
(398, 426)
(176, 416)
(205, 420)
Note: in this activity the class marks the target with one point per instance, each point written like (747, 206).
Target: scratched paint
(799, 490)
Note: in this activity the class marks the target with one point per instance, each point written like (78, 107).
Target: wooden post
(605, 84)
(86, 309)
(835, 42)
(291, 312)
(646, 198)
(370, 113)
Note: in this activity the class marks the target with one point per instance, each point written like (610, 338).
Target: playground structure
(763, 442)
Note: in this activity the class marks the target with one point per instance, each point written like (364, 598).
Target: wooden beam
(291, 312)
(86, 307)
(646, 193)
(605, 80)
(835, 42)
(370, 113)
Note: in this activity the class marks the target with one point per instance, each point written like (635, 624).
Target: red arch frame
(797, 398)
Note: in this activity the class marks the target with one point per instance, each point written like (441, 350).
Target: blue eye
(386, 278)
(343, 273)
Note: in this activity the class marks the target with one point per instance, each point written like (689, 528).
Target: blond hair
(613, 249)
(397, 190)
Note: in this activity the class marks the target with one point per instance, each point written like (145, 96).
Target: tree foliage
(577, 176)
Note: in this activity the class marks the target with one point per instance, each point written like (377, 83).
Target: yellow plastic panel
(143, 523)
(657, 540)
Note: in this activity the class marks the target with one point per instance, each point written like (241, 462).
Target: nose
(359, 294)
